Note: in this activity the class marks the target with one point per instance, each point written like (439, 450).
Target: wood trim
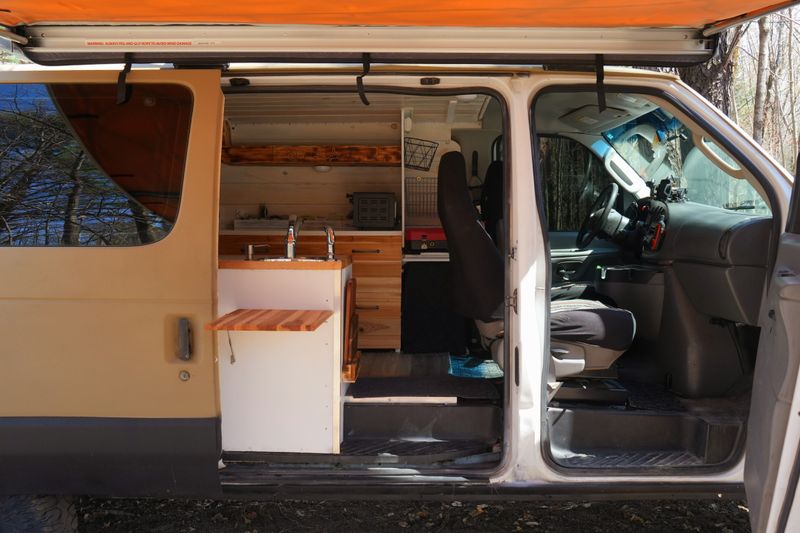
(351, 356)
(278, 154)
(270, 320)
(241, 264)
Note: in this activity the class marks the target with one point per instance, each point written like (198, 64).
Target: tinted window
(78, 169)
(573, 178)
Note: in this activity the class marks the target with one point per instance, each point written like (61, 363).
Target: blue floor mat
(465, 366)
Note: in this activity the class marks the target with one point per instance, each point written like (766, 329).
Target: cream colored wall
(299, 190)
(92, 331)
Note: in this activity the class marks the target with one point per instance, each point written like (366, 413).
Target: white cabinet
(281, 390)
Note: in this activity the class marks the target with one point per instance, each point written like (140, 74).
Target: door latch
(511, 301)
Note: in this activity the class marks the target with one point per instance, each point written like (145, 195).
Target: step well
(584, 437)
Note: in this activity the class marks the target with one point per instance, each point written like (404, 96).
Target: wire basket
(421, 196)
(419, 153)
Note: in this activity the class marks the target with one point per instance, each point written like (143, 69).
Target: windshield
(658, 145)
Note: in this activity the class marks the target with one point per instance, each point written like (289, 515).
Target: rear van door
(107, 258)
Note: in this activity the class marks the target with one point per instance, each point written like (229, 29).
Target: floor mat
(651, 397)
(465, 366)
(445, 386)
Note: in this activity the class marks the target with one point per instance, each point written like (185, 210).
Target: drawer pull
(368, 307)
(376, 251)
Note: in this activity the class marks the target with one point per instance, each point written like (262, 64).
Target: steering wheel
(598, 216)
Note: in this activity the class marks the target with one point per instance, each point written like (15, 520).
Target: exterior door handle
(185, 340)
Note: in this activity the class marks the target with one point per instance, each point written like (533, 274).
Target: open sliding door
(107, 260)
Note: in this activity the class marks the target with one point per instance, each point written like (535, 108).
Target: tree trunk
(714, 78)
(72, 225)
(143, 230)
(762, 74)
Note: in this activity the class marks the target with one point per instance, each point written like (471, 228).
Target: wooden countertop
(270, 320)
(236, 262)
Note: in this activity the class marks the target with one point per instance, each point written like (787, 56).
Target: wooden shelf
(270, 320)
(331, 155)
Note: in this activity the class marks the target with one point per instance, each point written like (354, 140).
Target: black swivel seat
(585, 334)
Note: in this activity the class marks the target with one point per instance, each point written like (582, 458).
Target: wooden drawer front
(383, 309)
(376, 269)
(378, 331)
(378, 291)
(371, 248)
(378, 307)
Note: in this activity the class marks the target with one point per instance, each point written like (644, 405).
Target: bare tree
(714, 78)
(762, 77)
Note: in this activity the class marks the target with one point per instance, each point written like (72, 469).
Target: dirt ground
(174, 516)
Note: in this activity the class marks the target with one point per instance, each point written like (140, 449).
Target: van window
(658, 146)
(573, 177)
(79, 169)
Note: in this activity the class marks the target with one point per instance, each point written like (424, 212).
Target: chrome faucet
(251, 248)
(330, 238)
(291, 240)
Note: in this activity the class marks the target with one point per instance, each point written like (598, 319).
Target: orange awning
(469, 13)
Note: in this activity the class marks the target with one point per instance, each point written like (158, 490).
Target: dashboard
(719, 256)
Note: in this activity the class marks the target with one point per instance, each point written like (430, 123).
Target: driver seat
(585, 334)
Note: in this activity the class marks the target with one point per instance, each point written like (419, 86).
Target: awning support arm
(601, 89)
(123, 89)
(365, 59)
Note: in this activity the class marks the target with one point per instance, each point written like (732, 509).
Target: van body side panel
(93, 395)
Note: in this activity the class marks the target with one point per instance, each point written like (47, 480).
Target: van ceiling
(347, 107)
(578, 112)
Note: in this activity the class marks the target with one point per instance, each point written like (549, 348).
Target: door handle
(376, 251)
(565, 272)
(185, 341)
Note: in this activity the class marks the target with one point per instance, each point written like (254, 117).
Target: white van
(265, 253)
